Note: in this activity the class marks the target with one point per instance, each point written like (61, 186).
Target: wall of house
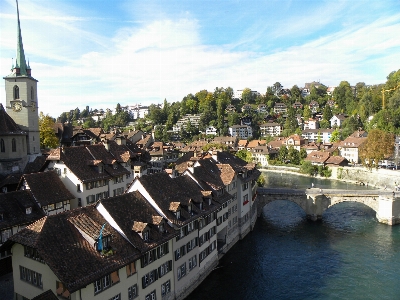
(184, 283)
(24, 288)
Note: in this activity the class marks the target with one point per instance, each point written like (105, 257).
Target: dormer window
(28, 210)
(115, 166)
(190, 208)
(161, 227)
(178, 214)
(201, 205)
(146, 235)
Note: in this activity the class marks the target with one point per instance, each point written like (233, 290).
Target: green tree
(307, 168)
(344, 97)
(245, 155)
(89, 123)
(378, 146)
(47, 135)
(296, 94)
(291, 121)
(327, 113)
(303, 153)
(283, 153)
(306, 112)
(350, 125)
(247, 96)
(261, 180)
(293, 155)
(335, 136)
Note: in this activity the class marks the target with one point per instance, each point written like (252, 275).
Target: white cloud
(147, 62)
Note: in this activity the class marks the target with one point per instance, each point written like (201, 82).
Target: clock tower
(21, 97)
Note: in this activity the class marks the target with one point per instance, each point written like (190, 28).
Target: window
(192, 262)
(90, 199)
(5, 234)
(78, 187)
(32, 253)
(165, 288)
(28, 210)
(2, 146)
(146, 235)
(31, 277)
(149, 278)
(13, 145)
(132, 292)
(245, 199)
(117, 297)
(130, 269)
(177, 254)
(151, 296)
(245, 186)
(164, 268)
(16, 92)
(181, 271)
(105, 282)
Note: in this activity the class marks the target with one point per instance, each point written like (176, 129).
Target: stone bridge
(315, 201)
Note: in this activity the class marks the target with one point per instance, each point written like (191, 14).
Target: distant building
(241, 131)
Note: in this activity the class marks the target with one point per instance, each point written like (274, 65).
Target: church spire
(20, 62)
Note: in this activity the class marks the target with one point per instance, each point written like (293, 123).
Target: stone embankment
(379, 178)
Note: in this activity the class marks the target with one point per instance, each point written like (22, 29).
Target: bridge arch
(370, 202)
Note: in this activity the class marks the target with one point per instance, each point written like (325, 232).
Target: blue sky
(100, 53)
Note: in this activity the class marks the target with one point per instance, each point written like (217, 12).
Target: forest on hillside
(367, 107)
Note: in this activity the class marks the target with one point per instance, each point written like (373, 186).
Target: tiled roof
(7, 124)
(336, 160)
(11, 180)
(227, 173)
(121, 152)
(255, 143)
(111, 166)
(13, 206)
(128, 208)
(353, 142)
(73, 260)
(73, 158)
(181, 163)
(318, 156)
(242, 143)
(47, 187)
(164, 190)
(239, 165)
(47, 295)
(36, 165)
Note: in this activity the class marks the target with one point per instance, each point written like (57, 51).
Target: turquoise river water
(347, 255)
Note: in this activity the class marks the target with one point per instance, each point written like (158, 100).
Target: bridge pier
(389, 210)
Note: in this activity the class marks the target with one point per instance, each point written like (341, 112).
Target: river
(347, 255)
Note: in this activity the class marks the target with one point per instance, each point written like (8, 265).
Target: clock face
(17, 106)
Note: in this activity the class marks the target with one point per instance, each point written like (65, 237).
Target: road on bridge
(317, 191)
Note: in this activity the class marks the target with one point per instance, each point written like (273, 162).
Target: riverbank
(378, 178)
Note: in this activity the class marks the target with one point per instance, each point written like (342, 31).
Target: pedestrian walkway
(7, 287)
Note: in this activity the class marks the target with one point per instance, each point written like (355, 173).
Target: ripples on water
(347, 255)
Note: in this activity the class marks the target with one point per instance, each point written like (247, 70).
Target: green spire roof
(20, 61)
